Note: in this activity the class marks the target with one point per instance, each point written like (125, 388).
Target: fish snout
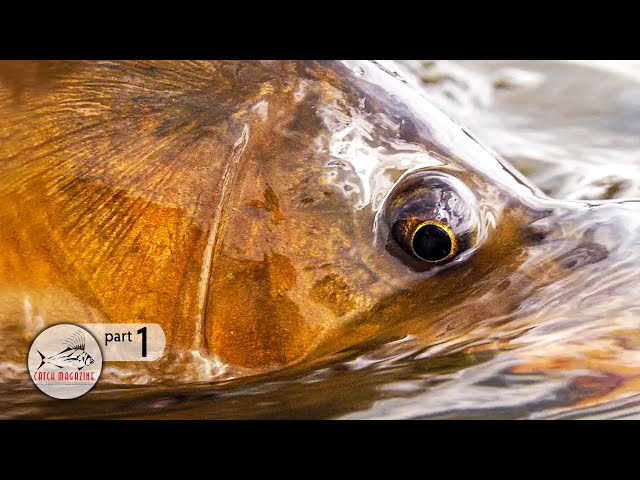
(582, 234)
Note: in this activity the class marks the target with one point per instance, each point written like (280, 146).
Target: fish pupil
(432, 243)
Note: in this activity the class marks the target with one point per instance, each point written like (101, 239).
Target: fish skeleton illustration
(72, 356)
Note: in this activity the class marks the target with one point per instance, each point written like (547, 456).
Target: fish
(274, 217)
(73, 356)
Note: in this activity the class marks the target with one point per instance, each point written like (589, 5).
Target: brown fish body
(241, 206)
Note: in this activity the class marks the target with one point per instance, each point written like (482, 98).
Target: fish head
(380, 219)
(264, 213)
(459, 246)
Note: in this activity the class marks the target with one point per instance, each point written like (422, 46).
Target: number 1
(143, 331)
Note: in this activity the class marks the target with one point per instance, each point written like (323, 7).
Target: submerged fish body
(273, 214)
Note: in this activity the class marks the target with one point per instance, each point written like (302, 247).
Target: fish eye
(431, 218)
(433, 242)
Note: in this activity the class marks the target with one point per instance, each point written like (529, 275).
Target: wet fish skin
(211, 198)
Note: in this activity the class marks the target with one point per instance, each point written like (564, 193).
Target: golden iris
(433, 241)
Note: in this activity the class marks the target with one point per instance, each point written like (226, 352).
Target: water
(573, 129)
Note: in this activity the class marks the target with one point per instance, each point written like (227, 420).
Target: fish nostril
(583, 254)
(534, 236)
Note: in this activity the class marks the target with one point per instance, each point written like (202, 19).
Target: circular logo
(65, 361)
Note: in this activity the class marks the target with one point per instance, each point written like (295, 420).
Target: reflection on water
(571, 348)
(571, 127)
